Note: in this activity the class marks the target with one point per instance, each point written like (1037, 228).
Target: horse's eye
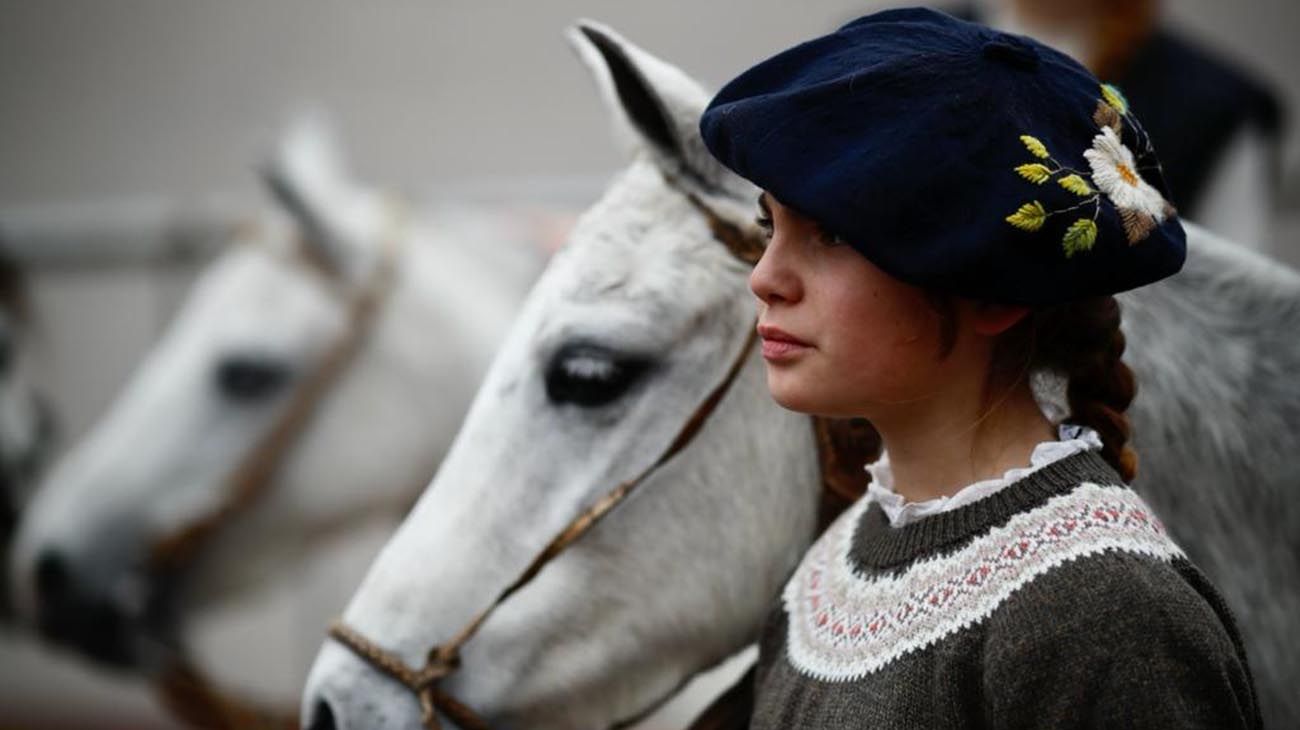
(246, 378)
(590, 376)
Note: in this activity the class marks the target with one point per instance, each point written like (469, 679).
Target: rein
(181, 687)
(842, 477)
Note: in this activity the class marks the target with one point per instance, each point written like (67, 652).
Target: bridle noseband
(444, 659)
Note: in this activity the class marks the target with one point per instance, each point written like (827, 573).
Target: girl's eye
(765, 224)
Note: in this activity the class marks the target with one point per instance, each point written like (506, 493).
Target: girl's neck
(935, 451)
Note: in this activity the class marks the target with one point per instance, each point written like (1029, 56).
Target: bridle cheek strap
(180, 685)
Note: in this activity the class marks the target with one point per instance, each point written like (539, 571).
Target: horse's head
(295, 394)
(635, 322)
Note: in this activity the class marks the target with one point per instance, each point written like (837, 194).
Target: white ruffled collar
(1073, 439)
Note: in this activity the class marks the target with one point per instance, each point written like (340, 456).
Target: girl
(950, 210)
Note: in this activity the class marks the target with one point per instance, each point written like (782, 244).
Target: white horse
(303, 394)
(620, 340)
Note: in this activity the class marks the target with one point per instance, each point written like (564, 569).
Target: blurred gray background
(129, 130)
(132, 119)
(157, 98)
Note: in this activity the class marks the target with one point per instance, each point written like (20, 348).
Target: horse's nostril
(72, 614)
(322, 718)
(51, 578)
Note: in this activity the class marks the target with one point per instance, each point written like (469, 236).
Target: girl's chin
(811, 397)
(799, 394)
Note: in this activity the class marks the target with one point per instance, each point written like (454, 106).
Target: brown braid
(1083, 342)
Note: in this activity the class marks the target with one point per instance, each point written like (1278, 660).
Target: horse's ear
(661, 106)
(305, 174)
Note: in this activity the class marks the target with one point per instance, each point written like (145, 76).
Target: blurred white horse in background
(300, 398)
(620, 341)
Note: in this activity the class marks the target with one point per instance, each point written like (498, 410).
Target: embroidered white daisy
(1115, 173)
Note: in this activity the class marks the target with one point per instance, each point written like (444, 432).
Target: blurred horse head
(618, 344)
(310, 384)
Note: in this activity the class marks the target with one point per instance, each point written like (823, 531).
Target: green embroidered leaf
(1034, 172)
(1036, 148)
(1076, 185)
(1079, 237)
(1114, 98)
(1030, 217)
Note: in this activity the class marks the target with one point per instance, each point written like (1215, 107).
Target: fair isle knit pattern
(844, 626)
(1057, 601)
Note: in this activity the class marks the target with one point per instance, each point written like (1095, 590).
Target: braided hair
(1082, 342)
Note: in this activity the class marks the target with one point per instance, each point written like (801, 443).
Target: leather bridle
(835, 441)
(181, 686)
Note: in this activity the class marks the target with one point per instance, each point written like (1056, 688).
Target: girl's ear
(994, 319)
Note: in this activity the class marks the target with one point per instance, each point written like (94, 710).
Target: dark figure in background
(1216, 126)
(26, 426)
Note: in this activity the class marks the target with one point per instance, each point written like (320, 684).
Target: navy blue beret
(956, 158)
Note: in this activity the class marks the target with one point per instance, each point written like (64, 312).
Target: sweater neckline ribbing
(879, 546)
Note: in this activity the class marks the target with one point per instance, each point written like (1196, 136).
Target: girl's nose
(773, 279)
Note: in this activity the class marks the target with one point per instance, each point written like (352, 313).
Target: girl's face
(840, 336)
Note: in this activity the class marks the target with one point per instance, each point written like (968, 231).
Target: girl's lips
(776, 351)
(779, 345)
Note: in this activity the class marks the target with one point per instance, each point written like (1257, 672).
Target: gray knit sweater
(1058, 602)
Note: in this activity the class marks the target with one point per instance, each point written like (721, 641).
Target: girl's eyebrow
(763, 205)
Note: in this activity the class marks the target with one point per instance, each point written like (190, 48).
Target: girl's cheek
(915, 331)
